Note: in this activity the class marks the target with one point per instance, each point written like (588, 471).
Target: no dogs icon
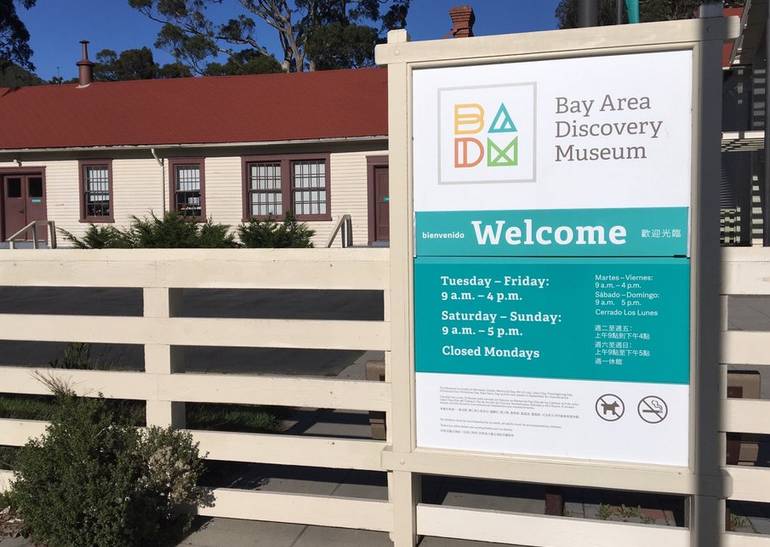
(610, 407)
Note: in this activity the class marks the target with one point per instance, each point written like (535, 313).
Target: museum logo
(487, 134)
(476, 139)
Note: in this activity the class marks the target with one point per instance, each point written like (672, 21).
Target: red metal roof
(259, 108)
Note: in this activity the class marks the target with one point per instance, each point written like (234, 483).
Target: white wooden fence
(165, 389)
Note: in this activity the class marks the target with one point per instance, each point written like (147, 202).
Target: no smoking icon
(652, 409)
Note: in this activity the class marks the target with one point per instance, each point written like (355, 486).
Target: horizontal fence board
(358, 269)
(746, 416)
(186, 331)
(745, 347)
(361, 514)
(745, 271)
(660, 479)
(204, 388)
(18, 432)
(247, 447)
(745, 540)
(273, 390)
(290, 450)
(541, 530)
(6, 477)
(749, 483)
(111, 384)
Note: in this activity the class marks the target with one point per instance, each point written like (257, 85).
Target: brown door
(23, 202)
(381, 204)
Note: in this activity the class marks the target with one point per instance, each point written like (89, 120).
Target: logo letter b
(469, 118)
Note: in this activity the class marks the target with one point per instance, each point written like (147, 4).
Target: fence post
(706, 509)
(403, 486)
(162, 358)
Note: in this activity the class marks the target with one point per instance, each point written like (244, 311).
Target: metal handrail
(345, 224)
(50, 224)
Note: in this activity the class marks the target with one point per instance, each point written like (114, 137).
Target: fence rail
(163, 386)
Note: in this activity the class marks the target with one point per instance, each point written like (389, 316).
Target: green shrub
(171, 231)
(93, 479)
(7, 460)
(270, 234)
(100, 237)
(77, 355)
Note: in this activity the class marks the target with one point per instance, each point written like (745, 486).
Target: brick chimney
(85, 67)
(462, 21)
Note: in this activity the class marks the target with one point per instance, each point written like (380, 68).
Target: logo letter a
(502, 122)
(469, 118)
(463, 153)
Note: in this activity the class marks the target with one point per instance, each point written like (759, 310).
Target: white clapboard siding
(224, 190)
(137, 189)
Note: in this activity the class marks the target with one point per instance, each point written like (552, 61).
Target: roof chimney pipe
(85, 67)
(462, 21)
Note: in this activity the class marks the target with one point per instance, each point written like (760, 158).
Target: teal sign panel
(654, 231)
(577, 318)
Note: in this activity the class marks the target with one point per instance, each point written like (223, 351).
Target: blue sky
(57, 26)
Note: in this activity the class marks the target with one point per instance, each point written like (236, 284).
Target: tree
(131, 64)
(649, 10)
(15, 54)
(312, 33)
(14, 36)
(247, 61)
(134, 64)
(15, 76)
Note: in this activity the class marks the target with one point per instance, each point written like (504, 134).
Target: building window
(96, 191)
(264, 189)
(276, 185)
(187, 195)
(309, 187)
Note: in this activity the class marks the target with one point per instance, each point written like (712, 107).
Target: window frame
(173, 163)
(84, 217)
(286, 162)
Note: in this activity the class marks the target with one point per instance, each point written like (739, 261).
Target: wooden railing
(164, 388)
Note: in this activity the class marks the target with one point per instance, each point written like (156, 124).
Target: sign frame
(701, 481)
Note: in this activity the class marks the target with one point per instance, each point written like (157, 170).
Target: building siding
(137, 187)
(137, 192)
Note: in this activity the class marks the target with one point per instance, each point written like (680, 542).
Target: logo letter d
(463, 150)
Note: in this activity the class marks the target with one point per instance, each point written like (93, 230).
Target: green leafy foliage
(240, 418)
(93, 479)
(14, 76)
(248, 61)
(77, 356)
(99, 237)
(14, 36)
(339, 45)
(649, 10)
(306, 29)
(7, 461)
(134, 64)
(42, 407)
(268, 233)
(171, 231)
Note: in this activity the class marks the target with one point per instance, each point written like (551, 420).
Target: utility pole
(588, 13)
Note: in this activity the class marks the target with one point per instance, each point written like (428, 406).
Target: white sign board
(552, 274)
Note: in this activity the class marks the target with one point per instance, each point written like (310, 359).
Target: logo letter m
(503, 157)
